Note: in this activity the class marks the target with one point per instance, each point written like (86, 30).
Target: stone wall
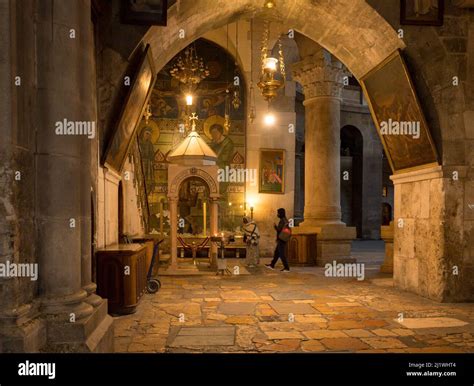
(430, 255)
(117, 55)
(435, 55)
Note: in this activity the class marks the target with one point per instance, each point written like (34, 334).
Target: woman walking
(283, 233)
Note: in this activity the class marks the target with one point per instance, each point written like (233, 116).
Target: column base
(94, 333)
(333, 242)
(386, 232)
(22, 331)
(92, 298)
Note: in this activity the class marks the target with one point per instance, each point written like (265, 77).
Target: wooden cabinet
(302, 249)
(121, 276)
(150, 241)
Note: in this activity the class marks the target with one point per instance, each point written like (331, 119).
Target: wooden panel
(302, 249)
(123, 291)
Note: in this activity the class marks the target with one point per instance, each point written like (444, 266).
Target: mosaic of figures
(168, 125)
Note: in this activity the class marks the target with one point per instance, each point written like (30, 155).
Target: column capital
(320, 74)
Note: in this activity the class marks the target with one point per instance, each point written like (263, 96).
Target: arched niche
(177, 175)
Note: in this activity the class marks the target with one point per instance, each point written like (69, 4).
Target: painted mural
(164, 130)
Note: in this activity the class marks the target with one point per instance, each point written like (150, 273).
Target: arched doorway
(351, 177)
(387, 213)
(193, 207)
(214, 98)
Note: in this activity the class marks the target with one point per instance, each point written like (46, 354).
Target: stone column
(86, 228)
(90, 149)
(173, 205)
(321, 76)
(21, 328)
(64, 89)
(214, 229)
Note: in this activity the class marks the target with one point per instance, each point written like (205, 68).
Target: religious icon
(422, 12)
(221, 143)
(132, 113)
(148, 12)
(147, 151)
(272, 171)
(394, 104)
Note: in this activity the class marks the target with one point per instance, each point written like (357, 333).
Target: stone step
(102, 339)
(67, 332)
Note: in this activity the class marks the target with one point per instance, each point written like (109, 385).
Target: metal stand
(221, 261)
(193, 247)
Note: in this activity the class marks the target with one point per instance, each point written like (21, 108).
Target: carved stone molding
(320, 74)
(192, 172)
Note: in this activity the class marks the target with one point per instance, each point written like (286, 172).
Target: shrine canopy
(193, 151)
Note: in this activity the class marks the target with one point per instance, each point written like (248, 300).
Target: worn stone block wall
(418, 236)
(435, 55)
(430, 255)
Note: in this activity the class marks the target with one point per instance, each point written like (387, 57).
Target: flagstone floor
(300, 311)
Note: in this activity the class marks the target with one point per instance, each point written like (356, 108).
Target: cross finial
(193, 118)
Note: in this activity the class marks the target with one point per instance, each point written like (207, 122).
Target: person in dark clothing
(280, 250)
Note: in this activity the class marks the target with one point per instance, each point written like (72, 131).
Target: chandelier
(272, 77)
(189, 69)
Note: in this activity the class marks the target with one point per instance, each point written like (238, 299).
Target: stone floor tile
(358, 333)
(285, 308)
(402, 331)
(321, 334)
(284, 345)
(291, 295)
(228, 308)
(384, 343)
(241, 320)
(215, 316)
(283, 335)
(239, 295)
(344, 344)
(428, 322)
(312, 346)
(383, 332)
(346, 324)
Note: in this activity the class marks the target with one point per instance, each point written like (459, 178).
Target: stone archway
(181, 175)
(352, 149)
(333, 25)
